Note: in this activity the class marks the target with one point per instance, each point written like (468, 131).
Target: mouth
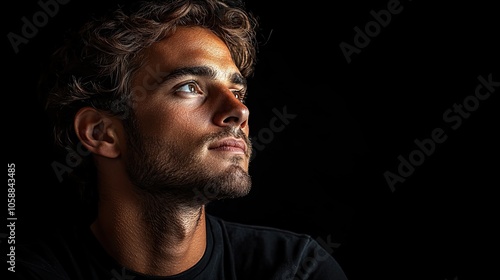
(231, 145)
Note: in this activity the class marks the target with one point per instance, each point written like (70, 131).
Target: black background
(323, 173)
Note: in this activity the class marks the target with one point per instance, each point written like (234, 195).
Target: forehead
(189, 46)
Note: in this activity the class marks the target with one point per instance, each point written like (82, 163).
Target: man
(155, 93)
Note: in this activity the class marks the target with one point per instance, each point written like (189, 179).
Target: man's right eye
(188, 88)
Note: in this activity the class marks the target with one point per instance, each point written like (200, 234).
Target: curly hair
(94, 67)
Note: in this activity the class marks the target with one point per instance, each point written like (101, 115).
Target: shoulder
(274, 239)
(289, 253)
(269, 239)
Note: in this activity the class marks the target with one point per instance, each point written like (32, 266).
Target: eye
(190, 88)
(240, 95)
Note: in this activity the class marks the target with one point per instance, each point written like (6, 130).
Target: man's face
(189, 135)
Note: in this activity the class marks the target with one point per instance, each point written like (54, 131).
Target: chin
(232, 183)
(240, 161)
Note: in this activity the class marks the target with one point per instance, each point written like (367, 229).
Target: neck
(148, 234)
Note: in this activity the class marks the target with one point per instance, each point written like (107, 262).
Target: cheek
(173, 122)
(154, 121)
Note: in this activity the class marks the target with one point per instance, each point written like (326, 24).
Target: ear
(98, 132)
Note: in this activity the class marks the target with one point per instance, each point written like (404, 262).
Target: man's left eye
(240, 95)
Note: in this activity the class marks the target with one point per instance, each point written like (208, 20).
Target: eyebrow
(203, 71)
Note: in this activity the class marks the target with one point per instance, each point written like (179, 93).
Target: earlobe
(97, 132)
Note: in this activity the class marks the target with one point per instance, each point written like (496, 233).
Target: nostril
(231, 119)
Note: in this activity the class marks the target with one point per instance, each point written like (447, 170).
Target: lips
(230, 145)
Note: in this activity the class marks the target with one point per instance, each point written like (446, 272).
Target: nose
(230, 110)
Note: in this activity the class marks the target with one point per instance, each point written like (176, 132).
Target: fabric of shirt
(233, 251)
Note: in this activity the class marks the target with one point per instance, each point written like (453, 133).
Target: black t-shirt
(234, 251)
